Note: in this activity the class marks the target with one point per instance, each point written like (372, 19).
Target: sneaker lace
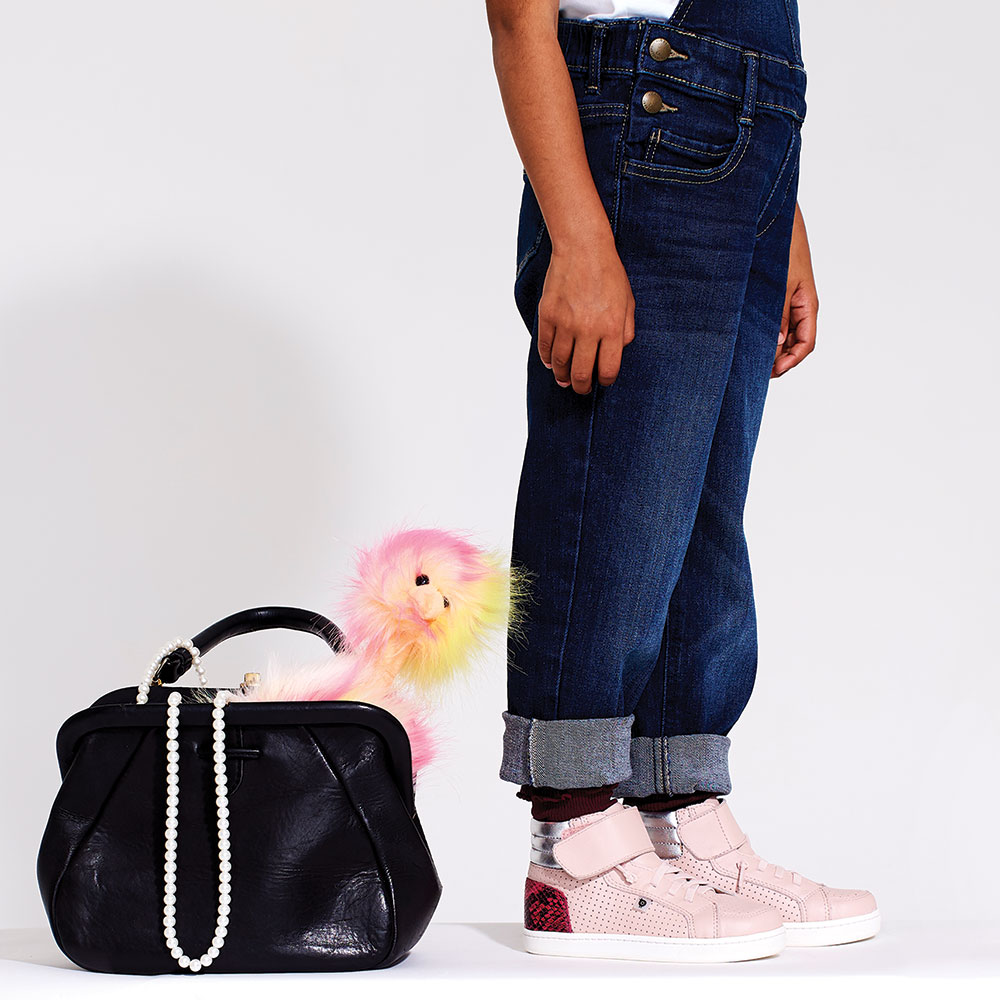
(679, 880)
(763, 866)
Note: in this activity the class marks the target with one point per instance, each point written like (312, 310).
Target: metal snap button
(651, 102)
(660, 49)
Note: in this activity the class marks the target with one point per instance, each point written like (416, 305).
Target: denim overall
(640, 647)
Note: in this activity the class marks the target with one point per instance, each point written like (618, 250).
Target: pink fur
(423, 633)
(337, 679)
(422, 603)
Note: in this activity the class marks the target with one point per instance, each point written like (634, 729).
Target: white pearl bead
(176, 952)
(223, 921)
(184, 961)
(172, 745)
(170, 855)
(194, 965)
(225, 866)
(169, 910)
(218, 941)
(224, 855)
(212, 952)
(169, 921)
(224, 909)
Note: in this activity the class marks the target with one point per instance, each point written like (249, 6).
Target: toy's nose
(430, 602)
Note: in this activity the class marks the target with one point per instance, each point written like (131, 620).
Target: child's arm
(586, 312)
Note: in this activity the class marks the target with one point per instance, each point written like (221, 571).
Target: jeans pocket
(683, 160)
(685, 136)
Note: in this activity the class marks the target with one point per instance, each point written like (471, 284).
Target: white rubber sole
(820, 933)
(633, 947)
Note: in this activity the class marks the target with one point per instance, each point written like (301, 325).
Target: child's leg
(608, 497)
(708, 658)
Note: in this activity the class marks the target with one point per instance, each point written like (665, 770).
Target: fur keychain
(423, 605)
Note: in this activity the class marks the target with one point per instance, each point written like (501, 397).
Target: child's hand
(797, 337)
(586, 314)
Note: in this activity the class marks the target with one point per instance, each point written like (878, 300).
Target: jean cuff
(565, 753)
(678, 765)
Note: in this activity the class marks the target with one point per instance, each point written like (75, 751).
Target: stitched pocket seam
(683, 175)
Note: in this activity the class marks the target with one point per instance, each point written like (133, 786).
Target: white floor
(950, 960)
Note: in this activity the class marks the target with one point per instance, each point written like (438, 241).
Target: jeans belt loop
(594, 66)
(749, 88)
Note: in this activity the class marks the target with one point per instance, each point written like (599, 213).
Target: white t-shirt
(589, 9)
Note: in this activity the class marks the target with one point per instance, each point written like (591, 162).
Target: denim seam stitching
(694, 86)
(793, 35)
(689, 149)
(777, 180)
(781, 107)
(784, 193)
(641, 169)
(736, 48)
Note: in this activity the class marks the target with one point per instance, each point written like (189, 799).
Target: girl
(663, 272)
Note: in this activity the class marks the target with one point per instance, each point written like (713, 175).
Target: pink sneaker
(596, 889)
(706, 842)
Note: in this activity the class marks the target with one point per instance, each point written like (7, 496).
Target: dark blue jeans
(639, 650)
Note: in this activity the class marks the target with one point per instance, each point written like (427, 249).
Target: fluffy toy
(423, 603)
(338, 679)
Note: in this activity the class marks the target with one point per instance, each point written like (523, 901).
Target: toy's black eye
(423, 579)
(447, 603)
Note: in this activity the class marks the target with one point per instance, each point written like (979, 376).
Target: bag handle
(177, 657)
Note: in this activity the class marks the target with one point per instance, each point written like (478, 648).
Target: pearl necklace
(142, 695)
(173, 804)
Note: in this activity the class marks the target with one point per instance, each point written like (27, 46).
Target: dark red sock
(667, 803)
(555, 805)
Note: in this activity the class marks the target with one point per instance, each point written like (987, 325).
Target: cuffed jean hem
(678, 765)
(565, 753)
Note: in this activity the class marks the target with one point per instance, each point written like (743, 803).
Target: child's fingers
(562, 356)
(609, 360)
(546, 334)
(584, 356)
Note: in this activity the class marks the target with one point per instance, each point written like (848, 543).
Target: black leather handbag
(264, 837)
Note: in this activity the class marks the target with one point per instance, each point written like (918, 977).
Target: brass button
(651, 102)
(659, 49)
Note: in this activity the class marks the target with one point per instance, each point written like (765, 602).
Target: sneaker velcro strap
(715, 833)
(603, 843)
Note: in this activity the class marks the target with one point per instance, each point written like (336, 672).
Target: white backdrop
(255, 305)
